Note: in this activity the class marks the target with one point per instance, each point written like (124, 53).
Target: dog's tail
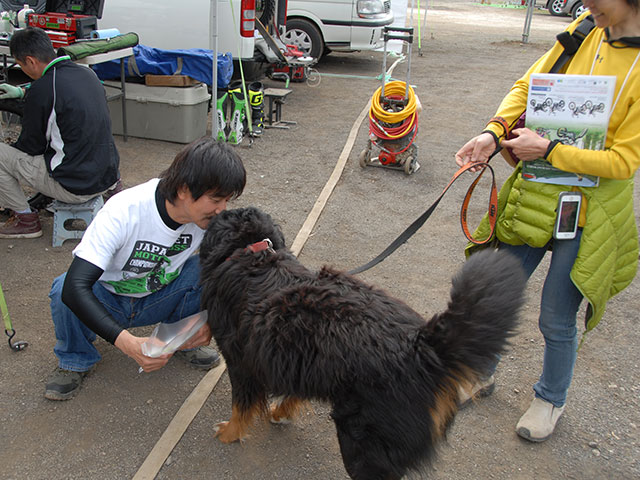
(486, 297)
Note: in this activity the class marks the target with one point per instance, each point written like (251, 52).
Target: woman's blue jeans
(74, 347)
(557, 321)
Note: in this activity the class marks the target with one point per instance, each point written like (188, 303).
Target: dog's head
(237, 228)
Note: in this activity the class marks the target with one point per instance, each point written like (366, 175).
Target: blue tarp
(195, 62)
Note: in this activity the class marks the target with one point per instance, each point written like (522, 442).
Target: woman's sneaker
(538, 423)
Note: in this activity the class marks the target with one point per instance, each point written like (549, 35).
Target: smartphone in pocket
(566, 225)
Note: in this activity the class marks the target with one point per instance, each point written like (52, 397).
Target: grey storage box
(173, 114)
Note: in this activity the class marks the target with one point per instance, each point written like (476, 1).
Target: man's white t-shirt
(138, 252)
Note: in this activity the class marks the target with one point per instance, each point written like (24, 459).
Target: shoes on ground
(117, 188)
(538, 423)
(40, 202)
(63, 384)
(482, 388)
(204, 358)
(21, 225)
(5, 213)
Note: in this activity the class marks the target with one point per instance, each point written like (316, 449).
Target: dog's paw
(226, 433)
(276, 414)
(280, 420)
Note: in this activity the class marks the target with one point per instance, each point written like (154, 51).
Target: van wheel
(305, 36)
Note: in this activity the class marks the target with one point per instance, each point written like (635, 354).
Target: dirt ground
(471, 54)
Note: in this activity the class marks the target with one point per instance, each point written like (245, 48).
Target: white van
(319, 26)
(314, 26)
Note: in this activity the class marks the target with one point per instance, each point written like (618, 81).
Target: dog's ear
(222, 238)
(238, 228)
(263, 226)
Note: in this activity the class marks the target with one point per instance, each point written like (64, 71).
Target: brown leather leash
(413, 228)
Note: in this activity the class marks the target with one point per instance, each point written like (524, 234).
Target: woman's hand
(527, 145)
(478, 149)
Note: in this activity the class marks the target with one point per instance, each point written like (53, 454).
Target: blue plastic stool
(62, 212)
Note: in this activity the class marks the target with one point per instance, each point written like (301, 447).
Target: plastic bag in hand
(168, 337)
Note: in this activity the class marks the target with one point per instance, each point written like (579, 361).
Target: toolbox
(75, 18)
(60, 39)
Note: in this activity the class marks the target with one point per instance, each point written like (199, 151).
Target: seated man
(65, 150)
(136, 266)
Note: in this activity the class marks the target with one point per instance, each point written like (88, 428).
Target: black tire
(577, 10)
(305, 36)
(265, 10)
(555, 8)
(253, 70)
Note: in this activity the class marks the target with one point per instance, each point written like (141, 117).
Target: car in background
(575, 8)
(560, 8)
(317, 27)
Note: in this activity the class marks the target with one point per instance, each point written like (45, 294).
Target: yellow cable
(377, 112)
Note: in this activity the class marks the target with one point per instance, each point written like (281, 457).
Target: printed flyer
(573, 109)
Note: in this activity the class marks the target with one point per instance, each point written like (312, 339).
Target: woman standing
(602, 258)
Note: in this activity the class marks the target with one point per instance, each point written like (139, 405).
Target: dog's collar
(264, 245)
(260, 246)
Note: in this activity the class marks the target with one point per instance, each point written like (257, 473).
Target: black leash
(415, 226)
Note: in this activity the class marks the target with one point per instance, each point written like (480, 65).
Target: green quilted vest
(608, 255)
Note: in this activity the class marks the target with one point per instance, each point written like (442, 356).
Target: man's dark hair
(31, 42)
(633, 3)
(204, 165)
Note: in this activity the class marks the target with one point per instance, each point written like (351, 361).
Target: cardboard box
(169, 80)
(172, 114)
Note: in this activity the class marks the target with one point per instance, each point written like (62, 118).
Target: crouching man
(136, 266)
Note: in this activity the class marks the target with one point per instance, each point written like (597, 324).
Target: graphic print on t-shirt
(151, 260)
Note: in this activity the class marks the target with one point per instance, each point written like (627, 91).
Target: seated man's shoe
(117, 188)
(40, 202)
(204, 358)
(538, 423)
(63, 384)
(482, 388)
(21, 225)
(5, 213)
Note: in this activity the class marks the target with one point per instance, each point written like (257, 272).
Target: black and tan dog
(391, 377)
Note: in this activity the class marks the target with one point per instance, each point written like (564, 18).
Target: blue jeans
(74, 347)
(557, 321)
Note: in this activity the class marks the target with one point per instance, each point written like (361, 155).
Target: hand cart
(393, 118)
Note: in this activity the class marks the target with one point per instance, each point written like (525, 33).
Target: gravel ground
(471, 54)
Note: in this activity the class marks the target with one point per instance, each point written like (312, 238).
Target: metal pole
(213, 28)
(527, 20)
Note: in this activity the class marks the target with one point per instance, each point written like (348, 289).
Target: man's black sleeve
(77, 294)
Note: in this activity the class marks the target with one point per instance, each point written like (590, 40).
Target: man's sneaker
(63, 384)
(482, 388)
(21, 225)
(5, 213)
(117, 188)
(40, 202)
(538, 423)
(204, 358)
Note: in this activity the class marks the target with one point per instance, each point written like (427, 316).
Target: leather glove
(10, 91)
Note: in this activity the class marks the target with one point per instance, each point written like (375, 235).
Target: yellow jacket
(608, 254)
